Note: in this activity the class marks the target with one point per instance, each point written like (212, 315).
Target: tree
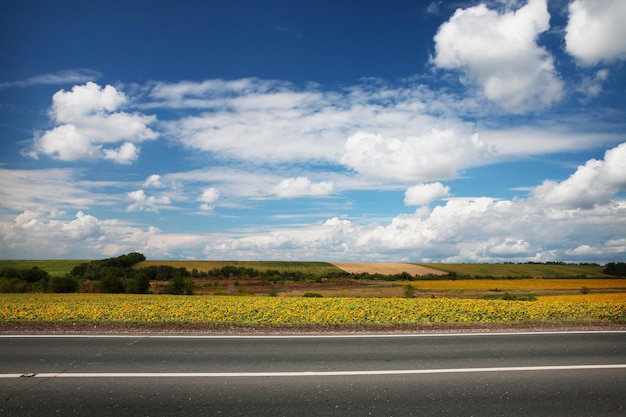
(178, 286)
(140, 284)
(34, 274)
(65, 283)
(112, 284)
(615, 268)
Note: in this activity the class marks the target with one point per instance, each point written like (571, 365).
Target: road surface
(507, 374)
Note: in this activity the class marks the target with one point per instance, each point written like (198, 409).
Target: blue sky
(419, 131)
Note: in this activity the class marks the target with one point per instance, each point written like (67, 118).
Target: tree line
(120, 275)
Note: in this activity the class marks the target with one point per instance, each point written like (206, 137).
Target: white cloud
(269, 122)
(509, 247)
(300, 187)
(84, 100)
(61, 77)
(208, 197)
(499, 53)
(467, 229)
(259, 124)
(433, 7)
(438, 154)
(88, 120)
(125, 154)
(516, 142)
(463, 230)
(82, 227)
(593, 183)
(546, 226)
(422, 194)
(54, 188)
(143, 202)
(153, 180)
(595, 31)
(67, 143)
(43, 236)
(592, 86)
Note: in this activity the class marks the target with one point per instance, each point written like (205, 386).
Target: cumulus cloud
(300, 187)
(468, 229)
(208, 197)
(423, 194)
(593, 183)
(153, 180)
(463, 230)
(547, 225)
(88, 119)
(125, 154)
(40, 234)
(83, 226)
(595, 31)
(143, 202)
(46, 235)
(499, 53)
(438, 154)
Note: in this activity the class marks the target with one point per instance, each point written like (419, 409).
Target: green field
(522, 270)
(53, 267)
(309, 268)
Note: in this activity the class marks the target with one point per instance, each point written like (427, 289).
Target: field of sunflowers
(298, 311)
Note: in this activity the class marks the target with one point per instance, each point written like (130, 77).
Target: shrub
(112, 284)
(409, 291)
(65, 283)
(138, 285)
(520, 297)
(13, 285)
(179, 286)
(312, 294)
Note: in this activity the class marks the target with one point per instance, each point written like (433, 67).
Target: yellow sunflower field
(295, 311)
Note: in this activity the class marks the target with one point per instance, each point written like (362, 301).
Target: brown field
(386, 268)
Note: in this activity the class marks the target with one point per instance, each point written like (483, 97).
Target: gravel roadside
(195, 329)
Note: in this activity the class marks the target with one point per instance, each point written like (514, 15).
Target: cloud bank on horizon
(506, 144)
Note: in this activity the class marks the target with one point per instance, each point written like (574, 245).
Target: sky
(344, 130)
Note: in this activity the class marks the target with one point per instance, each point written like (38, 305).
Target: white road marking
(300, 336)
(308, 373)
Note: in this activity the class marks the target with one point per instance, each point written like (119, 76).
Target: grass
(53, 267)
(310, 268)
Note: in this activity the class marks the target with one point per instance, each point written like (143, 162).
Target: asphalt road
(514, 374)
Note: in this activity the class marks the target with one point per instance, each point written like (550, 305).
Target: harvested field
(386, 268)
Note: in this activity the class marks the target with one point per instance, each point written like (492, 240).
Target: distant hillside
(62, 267)
(523, 270)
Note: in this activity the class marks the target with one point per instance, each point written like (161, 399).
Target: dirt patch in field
(386, 268)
